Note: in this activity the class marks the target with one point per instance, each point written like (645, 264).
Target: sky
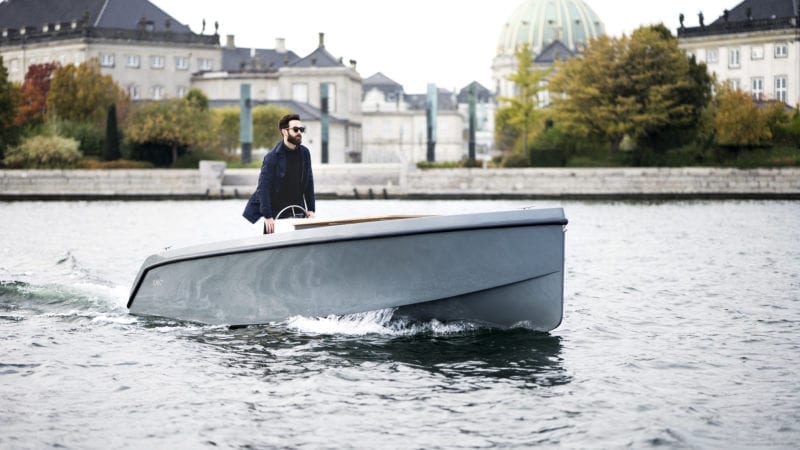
(414, 42)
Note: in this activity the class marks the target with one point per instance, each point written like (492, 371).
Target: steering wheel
(291, 209)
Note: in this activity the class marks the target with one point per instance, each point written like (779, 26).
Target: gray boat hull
(502, 269)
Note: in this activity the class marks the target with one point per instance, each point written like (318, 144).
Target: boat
(499, 269)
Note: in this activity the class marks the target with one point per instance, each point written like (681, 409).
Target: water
(681, 330)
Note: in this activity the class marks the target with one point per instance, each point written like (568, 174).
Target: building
(553, 30)
(278, 76)
(396, 123)
(149, 53)
(154, 56)
(754, 47)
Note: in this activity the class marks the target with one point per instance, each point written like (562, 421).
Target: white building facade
(754, 47)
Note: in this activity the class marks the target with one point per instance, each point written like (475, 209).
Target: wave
(21, 299)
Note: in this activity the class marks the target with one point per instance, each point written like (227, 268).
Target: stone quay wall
(213, 180)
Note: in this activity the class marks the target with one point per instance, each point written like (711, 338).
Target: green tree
(111, 150)
(687, 86)
(174, 123)
(83, 94)
(594, 104)
(197, 98)
(226, 128)
(9, 102)
(639, 86)
(522, 114)
(265, 125)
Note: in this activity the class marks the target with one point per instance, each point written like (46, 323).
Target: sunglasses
(297, 129)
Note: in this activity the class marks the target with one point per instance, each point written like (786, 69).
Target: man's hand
(269, 225)
(310, 214)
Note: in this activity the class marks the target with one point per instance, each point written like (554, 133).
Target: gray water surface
(681, 330)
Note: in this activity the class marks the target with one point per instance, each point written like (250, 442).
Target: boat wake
(380, 322)
(65, 290)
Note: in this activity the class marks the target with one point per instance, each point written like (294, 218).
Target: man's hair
(284, 123)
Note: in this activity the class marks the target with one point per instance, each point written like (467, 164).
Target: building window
(181, 63)
(781, 50)
(300, 92)
(13, 65)
(734, 58)
(757, 52)
(205, 64)
(781, 92)
(181, 91)
(736, 84)
(712, 56)
(158, 92)
(757, 88)
(133, 92)
(132, 61)
(156, 62)
(107, 59)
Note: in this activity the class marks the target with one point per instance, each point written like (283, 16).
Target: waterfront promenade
(212, 180)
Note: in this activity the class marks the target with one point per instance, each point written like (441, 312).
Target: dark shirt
(291, 192)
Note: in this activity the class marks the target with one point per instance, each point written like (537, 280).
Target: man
(285, 179)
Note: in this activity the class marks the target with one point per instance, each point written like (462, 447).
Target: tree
(111, 146)
(521, 113)
(226, 128)
(197, 99)
(175, 123)
(265, 125)
(594, 103)
(33, 94)
(83, 94)
(688, 87)
(9, 102)
(739, 122)
(638, 86)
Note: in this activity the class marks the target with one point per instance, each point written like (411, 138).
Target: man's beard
(295, 140)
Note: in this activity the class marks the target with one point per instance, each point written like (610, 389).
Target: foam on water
(380, 322)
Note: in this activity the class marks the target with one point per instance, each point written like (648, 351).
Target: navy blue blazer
(273, 171)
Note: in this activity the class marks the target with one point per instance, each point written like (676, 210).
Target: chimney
(322, 40)
(280, 45)
(229, 41)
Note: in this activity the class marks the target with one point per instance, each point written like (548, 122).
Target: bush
(90, 137)
(116, 164)
(515, 160)
(191, 160)
(464, 163)
(548, 158)
(157, 153)
(44, 152)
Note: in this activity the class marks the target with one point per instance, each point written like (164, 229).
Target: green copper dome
(540, 22)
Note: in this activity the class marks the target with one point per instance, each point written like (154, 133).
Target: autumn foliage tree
(633, 86)
(739, 122)
(83, 94)
(34, 92)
